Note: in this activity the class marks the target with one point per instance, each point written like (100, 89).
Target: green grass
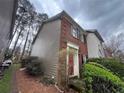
(5, 83)
(16, 66)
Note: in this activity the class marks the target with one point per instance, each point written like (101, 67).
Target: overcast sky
(107, 16)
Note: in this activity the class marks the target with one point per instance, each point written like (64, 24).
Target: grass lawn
(5, 83)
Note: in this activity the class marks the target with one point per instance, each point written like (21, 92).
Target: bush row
(101, 80)
(112, 64)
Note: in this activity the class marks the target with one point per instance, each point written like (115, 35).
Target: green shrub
(103, 60)
(100, 80)
(27, 60)
(77, 85)
(34, 68)
(97, 71)
(102, 85)
(95, 60)
(98, 65)
(112, 64)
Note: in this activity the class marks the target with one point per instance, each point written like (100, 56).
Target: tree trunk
(25, 43)
(28, 49)
(21, 43)
(19, 21)
(17, 40)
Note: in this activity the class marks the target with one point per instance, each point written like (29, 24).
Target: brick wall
(65, 37)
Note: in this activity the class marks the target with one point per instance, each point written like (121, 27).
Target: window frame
(75, 32)
(82, 38)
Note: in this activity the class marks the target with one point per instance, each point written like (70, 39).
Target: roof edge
(96, 33)
(58, 16)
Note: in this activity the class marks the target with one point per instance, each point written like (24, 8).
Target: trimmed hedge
(101, 85)
(98, 65)
(101, 80)
(112, 64)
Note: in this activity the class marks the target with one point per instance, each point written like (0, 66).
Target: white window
(75, 33)
(82, 38)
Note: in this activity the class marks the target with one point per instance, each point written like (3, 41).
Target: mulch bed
(28, 84)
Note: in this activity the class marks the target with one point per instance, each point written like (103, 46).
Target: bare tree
(17, 38)
(115, 46)
(26, 26)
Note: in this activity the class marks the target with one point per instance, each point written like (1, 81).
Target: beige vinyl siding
(46, 47)
(94, 46)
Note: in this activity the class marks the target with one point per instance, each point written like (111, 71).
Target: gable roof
(56, 17)
(96, 33)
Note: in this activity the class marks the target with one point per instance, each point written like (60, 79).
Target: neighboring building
(94, 44)
(60, 40)
(7, 15)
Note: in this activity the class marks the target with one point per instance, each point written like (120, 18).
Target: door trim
(77, 59)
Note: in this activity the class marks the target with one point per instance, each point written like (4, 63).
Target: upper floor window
(75, 33)
(82, 38)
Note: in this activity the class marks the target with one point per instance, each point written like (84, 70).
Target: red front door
(71, 62)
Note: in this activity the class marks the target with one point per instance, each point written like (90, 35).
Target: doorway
(72, 60)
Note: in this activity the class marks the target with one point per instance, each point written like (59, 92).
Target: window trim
(75, 32)
(82, 38)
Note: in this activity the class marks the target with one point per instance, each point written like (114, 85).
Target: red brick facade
(65, 36)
